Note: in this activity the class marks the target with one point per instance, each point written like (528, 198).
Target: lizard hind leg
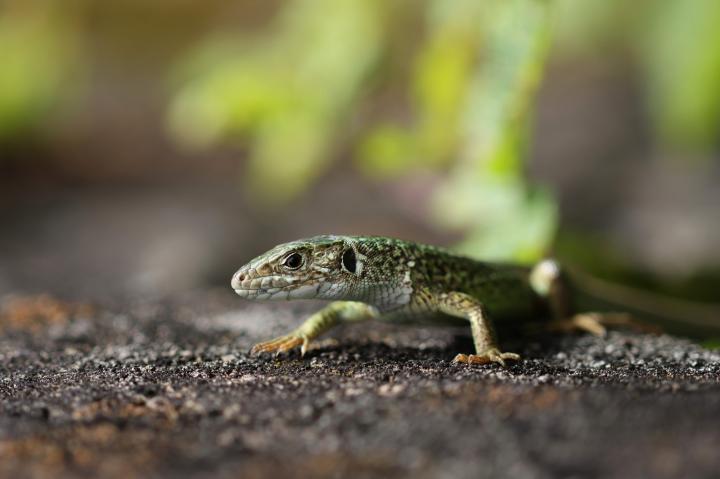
(550, 282)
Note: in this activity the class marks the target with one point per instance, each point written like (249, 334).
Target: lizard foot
(282, 344)
(597, 323)
(489, 356)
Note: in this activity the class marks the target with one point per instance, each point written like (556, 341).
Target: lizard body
(401, 282)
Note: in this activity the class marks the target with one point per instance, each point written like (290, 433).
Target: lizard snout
(238, 278)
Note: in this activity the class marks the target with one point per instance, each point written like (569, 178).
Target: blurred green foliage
(474, 74)
(676, 45)
(442, 70)
(445, 86)
(295, 91)
(38, 54)
(682, 62)
(486, 194)
(292, 88)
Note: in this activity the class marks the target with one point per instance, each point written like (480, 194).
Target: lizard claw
(304, 347)
(282, 344)
(492, 355)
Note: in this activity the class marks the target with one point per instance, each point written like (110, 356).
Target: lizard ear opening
(349, 261)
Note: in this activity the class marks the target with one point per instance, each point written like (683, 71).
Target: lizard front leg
(486, 349)
(317, 324)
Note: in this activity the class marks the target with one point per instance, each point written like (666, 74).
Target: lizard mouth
(279, 288)
(266, 294)
(260, 284)
(258, 291)
(248, 280)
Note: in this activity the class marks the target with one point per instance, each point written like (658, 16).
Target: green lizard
(371, 277)
(403, 282)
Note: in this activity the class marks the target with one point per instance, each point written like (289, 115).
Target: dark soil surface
(167, 389)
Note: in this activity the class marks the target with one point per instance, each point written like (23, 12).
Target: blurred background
(150, 148)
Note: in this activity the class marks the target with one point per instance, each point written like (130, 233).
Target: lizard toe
(278, 345)
(487, 357)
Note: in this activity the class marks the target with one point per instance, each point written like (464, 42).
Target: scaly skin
(395, 281)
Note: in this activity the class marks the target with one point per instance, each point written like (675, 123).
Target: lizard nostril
(241, 277)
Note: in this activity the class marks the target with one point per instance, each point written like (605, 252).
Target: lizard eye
(293, 261)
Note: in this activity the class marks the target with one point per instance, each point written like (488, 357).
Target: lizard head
(323, 267)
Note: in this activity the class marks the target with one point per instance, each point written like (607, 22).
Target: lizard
(386, 279)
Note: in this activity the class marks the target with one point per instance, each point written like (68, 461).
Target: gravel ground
(165, 388)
